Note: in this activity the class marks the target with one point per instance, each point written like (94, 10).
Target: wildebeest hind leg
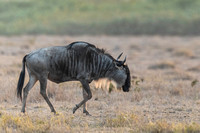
(86, 87)
(43, 85)
(31, 82)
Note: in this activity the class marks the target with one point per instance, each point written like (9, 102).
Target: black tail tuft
(21, 80)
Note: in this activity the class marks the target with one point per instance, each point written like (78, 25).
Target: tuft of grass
(24, 123)
(194, 82)
(158, 127)
(111, 88)
(137, 124)
(137, 96)
(122, 120)
(184, 52)
(176, 92)
(163, 65)
(194, 69)
(166, 127)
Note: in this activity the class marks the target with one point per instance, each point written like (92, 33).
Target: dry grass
(186, 52)
(176, 91)
(163, 65)
(194, 68)
(122, 122)
(163, 99)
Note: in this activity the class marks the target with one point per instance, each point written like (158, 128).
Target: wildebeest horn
(119, 56)
(120, 63)
(124, 60)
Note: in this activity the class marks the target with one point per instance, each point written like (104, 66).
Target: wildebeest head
(121, 74)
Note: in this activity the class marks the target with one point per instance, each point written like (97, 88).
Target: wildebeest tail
(21, 79)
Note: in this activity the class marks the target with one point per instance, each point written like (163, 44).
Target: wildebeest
(78, 61)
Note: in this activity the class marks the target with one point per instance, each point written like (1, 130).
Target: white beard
(104, 83)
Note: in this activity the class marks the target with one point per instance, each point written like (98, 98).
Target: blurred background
(110, 17)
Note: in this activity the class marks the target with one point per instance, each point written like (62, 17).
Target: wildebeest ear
(119, 56)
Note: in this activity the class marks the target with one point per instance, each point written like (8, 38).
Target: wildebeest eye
(119, 63)
(119, 66)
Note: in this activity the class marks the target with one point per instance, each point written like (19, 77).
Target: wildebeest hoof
(23, 111)
(75, 108)
(23, 114)
(54, 112)
(87, 113)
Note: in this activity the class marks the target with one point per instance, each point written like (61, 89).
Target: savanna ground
(165, 96)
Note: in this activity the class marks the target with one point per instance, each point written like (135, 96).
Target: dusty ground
(167, 67)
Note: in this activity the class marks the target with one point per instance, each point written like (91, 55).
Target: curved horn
(124, 61)
(119, 56)
(120, 63)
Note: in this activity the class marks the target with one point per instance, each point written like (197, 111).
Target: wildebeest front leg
(43, 85)
(85, 104)
(86, 87)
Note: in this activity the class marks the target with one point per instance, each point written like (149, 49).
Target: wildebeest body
(79, 61)
(67, 63)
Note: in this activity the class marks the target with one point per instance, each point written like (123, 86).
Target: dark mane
(89, 47)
